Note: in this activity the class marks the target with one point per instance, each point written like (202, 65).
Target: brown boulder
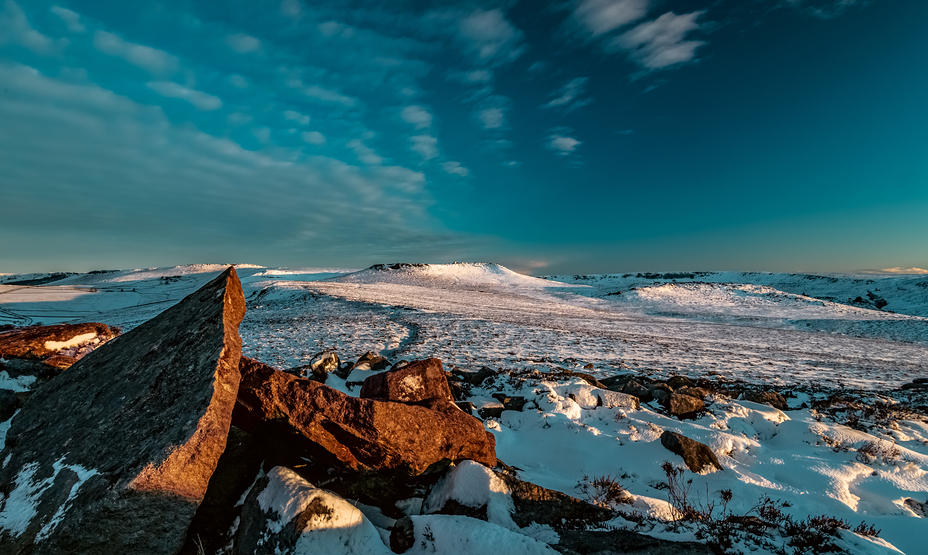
(126, 440)
(418, 381)
(683, 406)
(771, 398)
(43, 341)
(696, 455)
(361, 433)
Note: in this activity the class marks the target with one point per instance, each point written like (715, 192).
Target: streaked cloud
(418, 116)
(293, 115)
(598, 17)
(662, 42)
(490, 37)
(365, 154)
(455, 168)
(199, 99)
(155, 61)
(569, 97)
(899, 270)
(328, 95)
(72, 19)
(15, 28)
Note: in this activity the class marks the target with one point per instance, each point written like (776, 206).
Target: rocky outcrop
(284, 513)
(360, 433)
(595, 542)
(116, 453)
(44, 342)
(421, 381)
(696, 455)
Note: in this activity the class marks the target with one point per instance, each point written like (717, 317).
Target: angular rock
(360, 433)
(633, 387)
(771, 398)
(662, 394)
(676, 382)
(683, 406)
(284, 513)
(616, 383)
(323, 363)
(43, 341)
(516, 403)
(417, 382)
(696, 392)
(126, 439)
(376, 361)
(917, 507)
(696, 455)
(613, 399)
(915, 385)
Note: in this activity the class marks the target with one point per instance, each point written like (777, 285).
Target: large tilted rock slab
(361, 433)
(44, 342)
(697, 456)
(115, 454)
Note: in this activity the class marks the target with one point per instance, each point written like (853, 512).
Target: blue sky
(571, 136)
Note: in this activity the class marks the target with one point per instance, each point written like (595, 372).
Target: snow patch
(73, 342)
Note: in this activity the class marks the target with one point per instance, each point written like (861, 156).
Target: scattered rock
(402, 535)
(361, 433)
(696, 392)
(589, 366)
(422, 381)
(616, 383)
(683, 406)
(915, 385)
(633, 387)
(284, 513)
(491, 410)
(510, 403)
(696, 455)
(563, 372)
(533, 503)
(376, 361)
(661, 394)
(466, 406)
(127, 439)
(474, 378)
(771, 398)
(676, 382)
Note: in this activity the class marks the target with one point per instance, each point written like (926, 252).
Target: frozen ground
(806, 335)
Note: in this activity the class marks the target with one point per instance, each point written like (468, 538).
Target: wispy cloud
(199, 99)
(328, 95)
(293, 115)
(662, 42)
(568, 98)
(826, 9)
(242, 43)
(490, 37)
(425, 146)
(598, 17)
(418, 116)
(72, 19)
(899, 270)
(314, 138)
(365, 154)
(155, 61)
(15, 28)
(455, 168)
(475, 77)
(562, 142)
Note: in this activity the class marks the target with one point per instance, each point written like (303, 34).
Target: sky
(571, 136)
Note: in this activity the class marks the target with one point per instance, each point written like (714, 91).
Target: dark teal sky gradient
(794, 138)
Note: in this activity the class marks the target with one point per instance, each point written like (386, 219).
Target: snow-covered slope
(455, 275)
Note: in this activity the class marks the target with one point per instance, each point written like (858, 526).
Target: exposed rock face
(418, 381)
(44, 341)
(284, 513)
(682, 406)
(361, 433)
(696, 455)
(116, 453)
(771, 398)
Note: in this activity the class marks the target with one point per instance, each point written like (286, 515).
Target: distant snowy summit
(461, 274)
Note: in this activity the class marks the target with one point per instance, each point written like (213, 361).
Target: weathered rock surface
(284, 513)
(417, 382)
(676, 382)
(682, 406)
(771, 398)
(613, 542)
(360, 433)
(613, 399)
(43, 341)
(696, 455)
(237, 469)
(116, 452)
(696, 392)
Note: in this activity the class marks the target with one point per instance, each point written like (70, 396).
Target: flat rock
(418, 381)
(696, 455)
(361, 433)
(43, 341)
(116, 453)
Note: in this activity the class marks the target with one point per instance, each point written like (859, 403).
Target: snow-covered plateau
(852, 443)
